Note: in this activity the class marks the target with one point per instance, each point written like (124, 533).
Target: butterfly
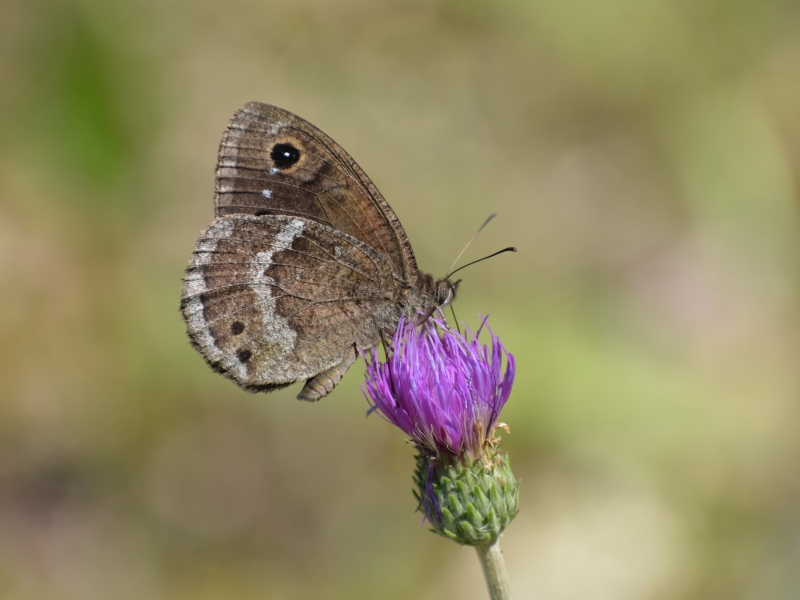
(305, 265)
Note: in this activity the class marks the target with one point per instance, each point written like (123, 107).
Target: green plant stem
(494, 569)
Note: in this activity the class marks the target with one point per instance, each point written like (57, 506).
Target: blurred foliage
(644, 157)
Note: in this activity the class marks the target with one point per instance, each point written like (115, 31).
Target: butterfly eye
(284, 155)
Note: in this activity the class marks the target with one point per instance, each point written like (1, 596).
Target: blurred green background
(644, 157)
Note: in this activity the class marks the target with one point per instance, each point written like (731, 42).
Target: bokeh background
(644, 157)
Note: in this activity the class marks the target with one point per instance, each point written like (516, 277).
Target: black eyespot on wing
(237, 328)
(244, 356)
(284, 155)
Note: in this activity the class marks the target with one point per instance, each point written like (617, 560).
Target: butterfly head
(446, 291)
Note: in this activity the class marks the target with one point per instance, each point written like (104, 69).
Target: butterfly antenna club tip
(509, 249)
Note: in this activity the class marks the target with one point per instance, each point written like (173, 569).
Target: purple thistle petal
(443, 389)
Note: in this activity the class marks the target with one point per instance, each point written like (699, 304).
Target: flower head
(444, 389)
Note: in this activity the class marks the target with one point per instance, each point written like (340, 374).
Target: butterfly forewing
(273, 162)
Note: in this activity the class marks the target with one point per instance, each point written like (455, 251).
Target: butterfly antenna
(509, 249)
(460, 254)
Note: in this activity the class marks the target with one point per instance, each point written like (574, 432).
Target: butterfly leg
(386, 340)
(322, 384)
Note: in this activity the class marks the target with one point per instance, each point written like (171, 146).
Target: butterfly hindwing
(273, 299)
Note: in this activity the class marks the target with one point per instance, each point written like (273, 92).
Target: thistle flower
(446, 390)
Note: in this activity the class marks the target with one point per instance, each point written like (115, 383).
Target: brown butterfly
(306, 264)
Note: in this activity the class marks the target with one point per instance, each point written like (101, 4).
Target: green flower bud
(470, 501)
